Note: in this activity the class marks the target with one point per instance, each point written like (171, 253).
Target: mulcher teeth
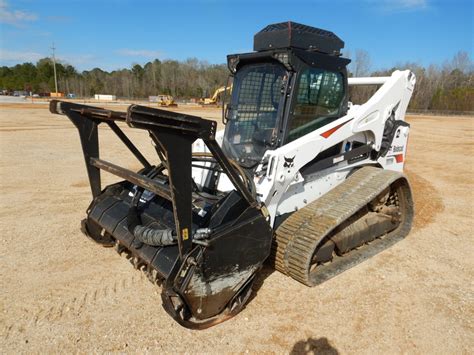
(138, 264)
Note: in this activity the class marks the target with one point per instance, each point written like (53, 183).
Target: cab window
(255, 104)
(319, 97)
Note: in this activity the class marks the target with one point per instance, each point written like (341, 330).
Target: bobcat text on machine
(299, 176)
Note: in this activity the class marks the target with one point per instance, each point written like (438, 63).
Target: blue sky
(113, 34)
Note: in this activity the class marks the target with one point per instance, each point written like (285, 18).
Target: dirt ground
(59, 292)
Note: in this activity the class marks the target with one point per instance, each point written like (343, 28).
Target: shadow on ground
(260, 278)
(314, 346)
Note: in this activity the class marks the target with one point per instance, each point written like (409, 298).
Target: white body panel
(283, 189)
(373, 80)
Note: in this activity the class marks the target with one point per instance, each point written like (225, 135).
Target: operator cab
(294, 83)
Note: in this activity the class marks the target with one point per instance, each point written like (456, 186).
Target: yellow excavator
(216, 97)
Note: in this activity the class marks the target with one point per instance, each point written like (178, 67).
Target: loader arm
(368, 120)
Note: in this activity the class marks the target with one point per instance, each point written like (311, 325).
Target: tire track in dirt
(75, 305)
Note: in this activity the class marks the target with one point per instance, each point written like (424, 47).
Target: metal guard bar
(134, 178)
(173, 134)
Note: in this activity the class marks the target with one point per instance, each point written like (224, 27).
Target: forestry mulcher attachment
(299, 176)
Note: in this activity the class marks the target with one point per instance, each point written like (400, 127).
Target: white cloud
(19, 57)
(139, 53)
(14, 17)
(77, 60)
(400, 5)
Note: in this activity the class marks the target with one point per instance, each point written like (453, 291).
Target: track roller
(362, 216)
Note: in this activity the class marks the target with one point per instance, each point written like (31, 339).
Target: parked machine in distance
(216, 98)
(299, 176)
(166, 101)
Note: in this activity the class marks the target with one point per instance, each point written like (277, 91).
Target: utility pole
(154, 76)
(54, 67)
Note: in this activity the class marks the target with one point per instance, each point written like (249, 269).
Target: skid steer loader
(299, 176)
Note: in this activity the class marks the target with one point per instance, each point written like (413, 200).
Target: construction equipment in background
(166, 101)
(299, 176)
(216, 98)
(105, 97)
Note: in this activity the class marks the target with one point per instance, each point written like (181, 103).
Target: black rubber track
(298, 237)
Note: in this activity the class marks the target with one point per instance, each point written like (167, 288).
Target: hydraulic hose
(148, 235)
(155, 237)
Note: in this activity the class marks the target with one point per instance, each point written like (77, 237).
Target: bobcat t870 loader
(299, 176)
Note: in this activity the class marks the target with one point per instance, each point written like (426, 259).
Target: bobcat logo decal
(289, 162)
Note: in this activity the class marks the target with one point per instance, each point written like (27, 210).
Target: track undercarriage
(364, 215)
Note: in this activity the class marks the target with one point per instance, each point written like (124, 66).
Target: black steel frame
(173, 134)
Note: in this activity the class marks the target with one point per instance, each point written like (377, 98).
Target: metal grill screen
(254, 109)
(258, 99)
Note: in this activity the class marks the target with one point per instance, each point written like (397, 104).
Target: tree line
(182, 79)
(446, 87)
